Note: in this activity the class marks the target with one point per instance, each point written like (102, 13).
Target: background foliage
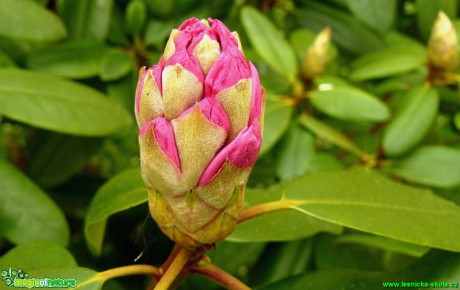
(371, 148)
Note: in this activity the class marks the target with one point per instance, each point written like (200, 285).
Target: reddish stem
(220, 276)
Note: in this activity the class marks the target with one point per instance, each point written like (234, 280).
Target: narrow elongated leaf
(122, 192)
(72, 60)
(387, 62)
(52, 103)
(268, 43)
(26, 20)
(295, 152)
(349, 103)
(136, 14)
(412, 120)
(86, 19)
(377, 14)
(37, 255)
(280, 226)
(26, 212)
(301, 39)
(364, 200)
(431, 165)
(427, 11)
(347, 31)
(277, 119)
(330, 134)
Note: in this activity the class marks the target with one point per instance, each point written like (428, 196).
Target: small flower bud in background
(200, 113)
(315, 58)
(443, 43)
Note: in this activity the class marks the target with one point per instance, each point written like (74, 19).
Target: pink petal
(157, 71)
(229, 68)
(242, 152)
(256, 98)
(224, 36)
(197, 39)
(213, 111)
(193, 26)
(164, 135)
(189, 62)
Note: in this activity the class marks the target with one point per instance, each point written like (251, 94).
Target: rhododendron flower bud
(200, 113)
(315, 59)
(443, 43)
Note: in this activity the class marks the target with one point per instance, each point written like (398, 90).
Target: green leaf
(379, 15)
(120, 193)
(268, 43)
(431, 165)
(349, 103)
(26, 212)
(5, 60)
(294, 153)
(26, 20)
(42, 259)
(427, 11)
(86, 19)
(277, 118)
(73, 60)
(280, 226)
(364, 200)
(412, 121)
(281, 260)
(346, 31)
(436, 266)
(116, 64)
(383, 243)
(329, 254)
(387, 62)
(117, 28)
(56, 157)
(157, 31)
(37, 255)
(330, 134)
(52, 103)
(457, 120)
(136, 14)
(346, 279)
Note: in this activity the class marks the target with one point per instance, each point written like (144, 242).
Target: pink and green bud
(443, 43)
(200, 113)
(315, 59)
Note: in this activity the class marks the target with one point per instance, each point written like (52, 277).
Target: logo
(20, 279)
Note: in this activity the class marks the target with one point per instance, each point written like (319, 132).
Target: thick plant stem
(180, 260)
(220, 276)
(130, 270)
(269, 207)
(171, 257)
